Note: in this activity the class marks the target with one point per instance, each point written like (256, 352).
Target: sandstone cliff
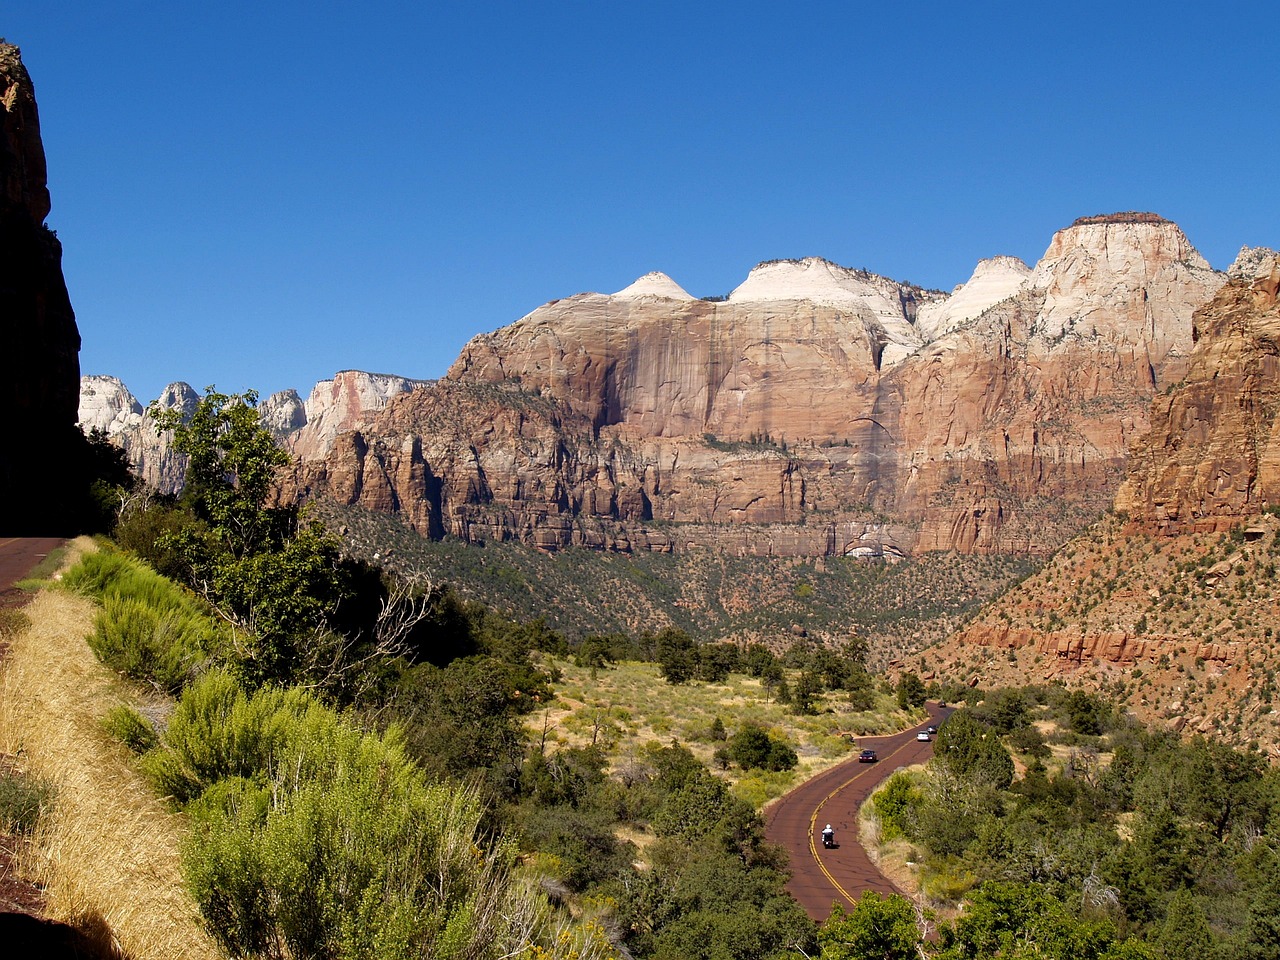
(43, 457)
(833, 410)
(1212, 457)
(1171, 603)
(306, 429)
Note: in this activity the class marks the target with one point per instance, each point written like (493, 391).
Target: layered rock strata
(839, 410)
(1212, 456)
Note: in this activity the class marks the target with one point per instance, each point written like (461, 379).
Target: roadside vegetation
(1051, 824)
(359, 762)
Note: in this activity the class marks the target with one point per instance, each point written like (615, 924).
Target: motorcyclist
(828, 836)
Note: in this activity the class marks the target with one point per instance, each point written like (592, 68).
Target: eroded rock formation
(306, 429)
(1212, 457)
(832, 410)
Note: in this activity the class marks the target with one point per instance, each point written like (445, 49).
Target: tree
(910, 691)
(881, 927)
(676, 655)
(970, 751)
(231, 466)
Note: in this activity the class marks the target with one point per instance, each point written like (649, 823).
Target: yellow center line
(5, 543)
(813, 826)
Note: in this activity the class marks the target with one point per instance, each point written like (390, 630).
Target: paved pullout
(821, 877)
(18, 555)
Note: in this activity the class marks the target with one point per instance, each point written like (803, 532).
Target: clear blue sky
(261, 194)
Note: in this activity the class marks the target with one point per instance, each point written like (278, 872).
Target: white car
(923, 737)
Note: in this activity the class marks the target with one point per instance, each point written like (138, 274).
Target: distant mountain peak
(654, 284)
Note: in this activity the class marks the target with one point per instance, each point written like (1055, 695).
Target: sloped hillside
(1170, 603)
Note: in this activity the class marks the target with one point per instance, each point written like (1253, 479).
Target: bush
(149, 629)
(23, 800)
(130, 728)
(893, 804)
(753, 747)
(166, 648)
(316, 839)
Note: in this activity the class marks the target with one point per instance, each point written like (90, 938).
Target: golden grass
(109, 847)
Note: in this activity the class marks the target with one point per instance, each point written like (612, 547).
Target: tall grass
(106, 847)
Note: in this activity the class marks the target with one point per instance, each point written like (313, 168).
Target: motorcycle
(829, 840)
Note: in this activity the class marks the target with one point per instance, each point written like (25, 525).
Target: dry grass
(109, 848)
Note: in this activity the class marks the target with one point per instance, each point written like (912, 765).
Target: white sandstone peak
(994, 279)
(654, 284)
(813, 279)
(106, 404)
(1135, 275)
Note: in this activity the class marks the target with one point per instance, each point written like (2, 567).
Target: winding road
(821, 877)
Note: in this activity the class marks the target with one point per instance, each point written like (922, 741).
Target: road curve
(821, 877)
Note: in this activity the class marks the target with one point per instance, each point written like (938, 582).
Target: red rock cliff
(834, 410)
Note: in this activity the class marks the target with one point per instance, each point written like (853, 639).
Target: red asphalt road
(821, 877)
(17, 556)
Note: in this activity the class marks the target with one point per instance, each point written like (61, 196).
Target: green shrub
(316, 839)
(148, 629)
(893, 803)
(130, 728)
(23, 800)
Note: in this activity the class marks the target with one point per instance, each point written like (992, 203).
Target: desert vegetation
(1064, 829)
(895, 608)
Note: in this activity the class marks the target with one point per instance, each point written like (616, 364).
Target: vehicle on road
(828, 837)
(931, 729)
(923, 736)
(867, 756)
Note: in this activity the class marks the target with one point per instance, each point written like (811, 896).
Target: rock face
(306, 429)
(41, 466)
(1212, 456)
(819, 410)
(107, 404)
(338, 405)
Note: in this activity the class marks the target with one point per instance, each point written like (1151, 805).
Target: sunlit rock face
(1212, 456)
(305, 429)
(826, 410)
(342, 403)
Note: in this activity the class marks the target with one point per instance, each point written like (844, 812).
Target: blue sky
(259, 195)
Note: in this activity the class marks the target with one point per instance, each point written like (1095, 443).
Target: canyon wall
(831, 410)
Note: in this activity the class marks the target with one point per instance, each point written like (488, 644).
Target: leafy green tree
(231, 467)
(1185, 933)
(676, 655)
(1089, 714)
(971, 751)
(808, 687)
(883, 928)
(758, 658)
(861, 687)
(910, 691)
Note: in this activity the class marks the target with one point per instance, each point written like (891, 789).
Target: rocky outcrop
(107, 404)
(342, 403)
(1212, 456)
(307, 429)
(816, 399)
(42, 466)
